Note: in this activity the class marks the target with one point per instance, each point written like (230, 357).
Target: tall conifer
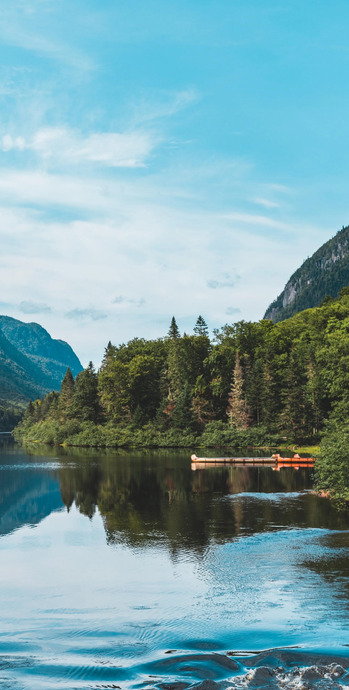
(201, 327)
(237, 410)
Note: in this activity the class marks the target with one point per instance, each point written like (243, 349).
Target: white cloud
(9, 143)
(226, 280)
(267, 203)
(257, 220)
(59, 145)
(233, 311)
(163, 104)
(146, 253)
(87, 313)
(120, 300)
(29, 307)
(21, 29)
(116, 255)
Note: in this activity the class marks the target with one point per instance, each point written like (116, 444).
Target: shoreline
(314, 450)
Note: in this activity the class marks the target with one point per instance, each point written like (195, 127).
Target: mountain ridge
(323, 274)
(32, 363)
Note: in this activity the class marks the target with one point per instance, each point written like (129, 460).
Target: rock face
(323, 274)
(31, 362)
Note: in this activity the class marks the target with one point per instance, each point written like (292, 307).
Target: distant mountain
(323, 274)
(31, 362)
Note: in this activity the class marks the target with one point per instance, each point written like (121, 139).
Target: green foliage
(181, 416)
(279, 383)
(332, 466)
(66, 395)
(85, 404)
(10, 417)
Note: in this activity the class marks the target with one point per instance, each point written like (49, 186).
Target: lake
(130, 570)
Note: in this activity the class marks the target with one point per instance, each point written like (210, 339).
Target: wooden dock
(275, 461)
(233, 461)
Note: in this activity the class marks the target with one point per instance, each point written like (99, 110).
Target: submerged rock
(327, 674)
(263, 677)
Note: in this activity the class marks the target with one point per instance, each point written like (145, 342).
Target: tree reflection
(145, 498)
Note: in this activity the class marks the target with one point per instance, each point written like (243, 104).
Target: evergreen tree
(201, 407)
(109, 354)
(237, 410)
(85, 403)
(200, 327)
(173, 332)
(29, 414)
(174, 365)
(254, 389)
(294, 410)
(181, 416)
(66, 394)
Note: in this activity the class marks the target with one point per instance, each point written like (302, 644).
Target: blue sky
(161, 158)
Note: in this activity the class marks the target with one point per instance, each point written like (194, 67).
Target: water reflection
(333, 564)
(151, 575)
(147, 497)
(25, 496)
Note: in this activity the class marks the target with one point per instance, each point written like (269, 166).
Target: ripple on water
(274, 497)
(278, 669)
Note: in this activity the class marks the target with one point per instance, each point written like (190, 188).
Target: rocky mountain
(323, 274)
(31, 362)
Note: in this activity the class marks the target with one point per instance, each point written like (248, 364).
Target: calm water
(133, 571)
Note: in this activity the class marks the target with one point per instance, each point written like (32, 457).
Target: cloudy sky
(161, 158)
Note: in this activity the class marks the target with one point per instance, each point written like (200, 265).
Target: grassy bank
(85, 434)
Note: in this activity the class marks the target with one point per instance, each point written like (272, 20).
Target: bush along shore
(254, 384)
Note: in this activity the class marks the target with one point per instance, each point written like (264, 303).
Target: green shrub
(332, 466)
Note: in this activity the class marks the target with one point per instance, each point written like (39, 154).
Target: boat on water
(275, 460)
(296, 459)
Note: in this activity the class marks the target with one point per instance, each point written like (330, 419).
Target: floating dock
(276, 461)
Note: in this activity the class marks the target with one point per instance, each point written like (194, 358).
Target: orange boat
(276, 461)
(296, 460)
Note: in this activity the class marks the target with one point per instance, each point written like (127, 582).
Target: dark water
(133, 571)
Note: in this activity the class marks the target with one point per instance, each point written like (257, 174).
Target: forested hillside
(323, 274)
(31, 364)
(255, 383)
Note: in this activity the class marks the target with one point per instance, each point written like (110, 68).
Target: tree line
(254, 382)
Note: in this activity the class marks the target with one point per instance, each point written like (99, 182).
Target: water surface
(130, 570)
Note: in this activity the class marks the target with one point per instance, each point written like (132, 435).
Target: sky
(166, 158)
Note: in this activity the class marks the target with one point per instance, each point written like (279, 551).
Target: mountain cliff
(31, 362)
(323, 274)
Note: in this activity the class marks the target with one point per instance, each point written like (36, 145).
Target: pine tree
(66, 394)
(85, 404)
(181, 416)
(296, 407)
(201, 405)
(173, 332)
(237, 410)
(109, 354)
(313, 392)
(200, 327)
(174, 369)
(29, 414)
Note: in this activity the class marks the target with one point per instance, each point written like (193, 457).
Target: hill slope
(31, 362)
(324, 273)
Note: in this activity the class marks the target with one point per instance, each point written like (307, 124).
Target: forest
(256, 384)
